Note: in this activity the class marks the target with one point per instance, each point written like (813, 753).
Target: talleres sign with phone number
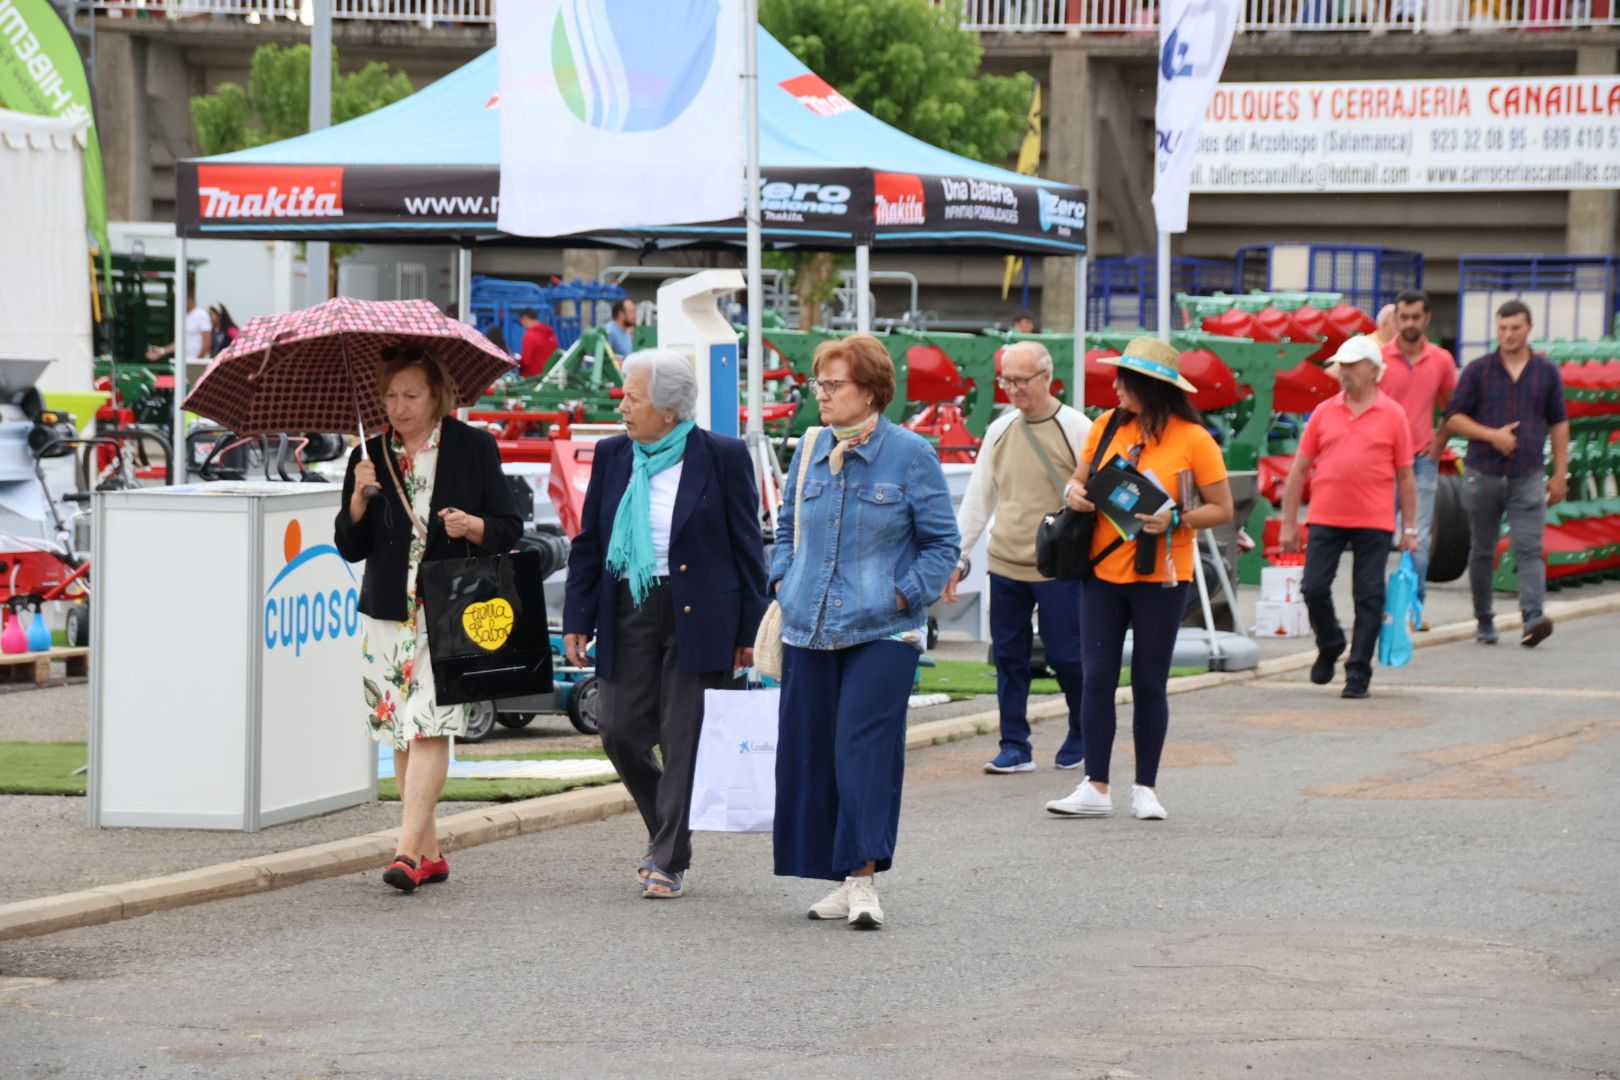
(1556, 133)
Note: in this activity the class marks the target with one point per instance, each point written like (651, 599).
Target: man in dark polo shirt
(1507, 404)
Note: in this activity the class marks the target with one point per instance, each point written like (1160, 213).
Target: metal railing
(1005, 16)
(421, 12)
(1269, 16)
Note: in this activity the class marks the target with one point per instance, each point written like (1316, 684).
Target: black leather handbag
(1063, 539)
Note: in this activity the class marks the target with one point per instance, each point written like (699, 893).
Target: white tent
(44, 262)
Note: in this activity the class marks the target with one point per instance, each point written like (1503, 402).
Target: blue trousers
(1012, 638)
(841, 757)
(1153, 615)
(1370, 551)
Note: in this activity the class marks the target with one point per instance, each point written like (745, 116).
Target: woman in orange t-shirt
(1163, 436)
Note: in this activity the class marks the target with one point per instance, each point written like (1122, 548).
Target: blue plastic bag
(1403, 611)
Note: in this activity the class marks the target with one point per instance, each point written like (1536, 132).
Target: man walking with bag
(1027, 456)
(1359, 443)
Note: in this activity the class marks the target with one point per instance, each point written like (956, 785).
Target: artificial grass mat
(46, 768)
(42, 768)
(968, 678)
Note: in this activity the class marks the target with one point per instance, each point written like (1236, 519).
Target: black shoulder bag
(1063, 540)
(486, 620)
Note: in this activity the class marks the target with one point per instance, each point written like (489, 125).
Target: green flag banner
(41, 75)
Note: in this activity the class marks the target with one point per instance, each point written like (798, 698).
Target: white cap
(1362, 347)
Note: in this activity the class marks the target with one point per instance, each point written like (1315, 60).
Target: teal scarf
(630, 550)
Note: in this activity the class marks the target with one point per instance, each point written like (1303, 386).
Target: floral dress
(397, 668)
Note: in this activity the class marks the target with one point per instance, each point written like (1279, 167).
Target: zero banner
(1554, 133)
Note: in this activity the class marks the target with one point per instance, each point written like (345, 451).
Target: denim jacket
(883, 525)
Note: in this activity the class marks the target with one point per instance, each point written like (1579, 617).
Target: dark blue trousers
(841, 757)
(1153, 615)
(1370, 551)
(1012, 638)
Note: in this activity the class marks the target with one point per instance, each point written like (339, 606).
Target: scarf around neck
(630, 549)
(848, 439)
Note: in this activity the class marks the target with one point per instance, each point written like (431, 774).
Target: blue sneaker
(1010, 761)
(1071, 755)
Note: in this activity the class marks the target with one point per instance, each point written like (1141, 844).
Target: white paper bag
(734, 784)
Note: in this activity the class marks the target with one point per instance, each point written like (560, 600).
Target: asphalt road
(1424, 884)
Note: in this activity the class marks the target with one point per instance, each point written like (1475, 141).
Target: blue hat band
(1152, 367)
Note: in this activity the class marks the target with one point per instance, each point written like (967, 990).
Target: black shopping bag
(487, 630)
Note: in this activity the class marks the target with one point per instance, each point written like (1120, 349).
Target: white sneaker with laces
(835, 905)
(864, 910)
(1145, 804)
(1084, 801)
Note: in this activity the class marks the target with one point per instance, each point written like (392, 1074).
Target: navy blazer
(716, 553)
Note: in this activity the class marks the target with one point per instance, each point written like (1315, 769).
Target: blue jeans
(1153, 615)
(1012, 638)
(1426, 478)
(1370, 549)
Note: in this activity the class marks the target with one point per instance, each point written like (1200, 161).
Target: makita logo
(1060, 213)
(782, 197)
(814, 93)
(269, 191)
(898, 199)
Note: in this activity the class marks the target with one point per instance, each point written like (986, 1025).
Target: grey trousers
(1524, 500)
(651, 704)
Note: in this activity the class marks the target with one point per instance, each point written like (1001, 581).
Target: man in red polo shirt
(1360, 445)
(539, 344)
(1420, 376)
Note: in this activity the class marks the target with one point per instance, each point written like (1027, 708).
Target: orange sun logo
(293, 542)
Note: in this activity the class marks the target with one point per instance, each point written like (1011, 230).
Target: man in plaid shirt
(1507, 404)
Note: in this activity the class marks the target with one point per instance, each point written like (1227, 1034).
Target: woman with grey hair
(668, 575)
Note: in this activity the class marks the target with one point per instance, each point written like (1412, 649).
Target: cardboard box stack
(1280, 612)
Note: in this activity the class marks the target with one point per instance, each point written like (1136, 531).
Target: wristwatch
(1409, 532)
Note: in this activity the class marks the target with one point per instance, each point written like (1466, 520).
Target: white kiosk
(689, 320)
(225, 659)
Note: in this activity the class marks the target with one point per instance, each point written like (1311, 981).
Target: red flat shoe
(435, 870)
(403, 874)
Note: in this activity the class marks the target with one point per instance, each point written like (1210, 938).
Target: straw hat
(1362, 347)
(1154, 358)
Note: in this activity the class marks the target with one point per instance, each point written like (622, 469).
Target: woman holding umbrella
(436, 491)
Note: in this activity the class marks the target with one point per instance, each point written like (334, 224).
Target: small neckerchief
(848, 439)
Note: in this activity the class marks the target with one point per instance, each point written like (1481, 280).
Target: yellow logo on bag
(488, 624)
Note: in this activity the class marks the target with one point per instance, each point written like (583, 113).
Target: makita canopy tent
(428, 169)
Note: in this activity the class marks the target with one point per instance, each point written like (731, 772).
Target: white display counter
(225, 659)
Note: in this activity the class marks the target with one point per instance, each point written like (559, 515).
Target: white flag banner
(618, 114)
(1194, 38)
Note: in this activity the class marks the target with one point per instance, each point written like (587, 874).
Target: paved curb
(109, 903)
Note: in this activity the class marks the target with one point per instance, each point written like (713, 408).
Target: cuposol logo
(633, 66)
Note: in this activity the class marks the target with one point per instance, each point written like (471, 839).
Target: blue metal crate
(579, 304)
(1367, 275)
(1570, 296)
(1122, 292)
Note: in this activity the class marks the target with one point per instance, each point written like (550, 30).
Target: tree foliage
(910, 64)
(275, 104)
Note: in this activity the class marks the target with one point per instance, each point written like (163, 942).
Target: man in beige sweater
(1028, 454)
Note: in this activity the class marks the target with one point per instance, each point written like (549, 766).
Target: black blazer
(716, 554)
(468, 478)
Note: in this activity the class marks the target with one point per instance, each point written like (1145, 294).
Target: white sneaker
(835, 905)
(1085, 801)
(864, 911)
(1145, 804)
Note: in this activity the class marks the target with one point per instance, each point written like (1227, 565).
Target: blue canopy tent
(427, 169)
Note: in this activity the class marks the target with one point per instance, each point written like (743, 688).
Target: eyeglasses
(1010, 382)
(830, 386)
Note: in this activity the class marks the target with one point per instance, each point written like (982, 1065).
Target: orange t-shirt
(1182, 446)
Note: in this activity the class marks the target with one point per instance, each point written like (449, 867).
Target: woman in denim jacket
(878, 541)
